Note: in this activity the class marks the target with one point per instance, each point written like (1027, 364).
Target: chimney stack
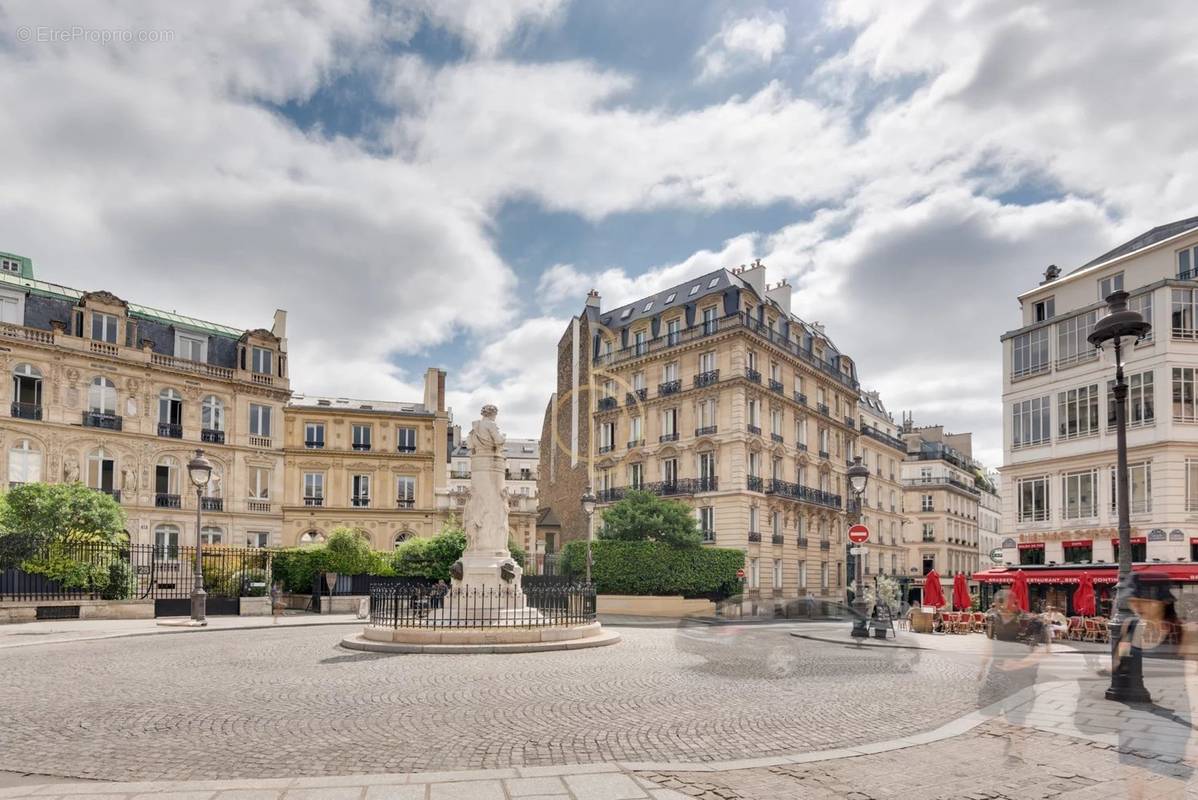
(593, 299)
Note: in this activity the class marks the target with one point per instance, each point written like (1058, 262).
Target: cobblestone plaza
(274, 703)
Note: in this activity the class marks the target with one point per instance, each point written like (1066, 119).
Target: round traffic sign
(740, 573)
(858, 534)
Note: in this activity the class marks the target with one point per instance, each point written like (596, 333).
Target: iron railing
(681, 486)
(27, 410)
(754, 536)
(706, 431)
(162, 500)
(212, 436)
(212, 503)
(800, 398)
(170, 430)
(547, 605)
(775, 386)
(707, 378)
(884, 438)
(635, 396)
(669, 387)
(606, 403)
(97, 419)
(753, 375)
(806, 494)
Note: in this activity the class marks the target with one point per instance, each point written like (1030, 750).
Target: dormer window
(670, 298)
(711, 284)
(104, 327)
(627, 313)
(263, 361)
(1044, 310)
(648, 307)
(191, 347)
(694, 290)
(8, 265)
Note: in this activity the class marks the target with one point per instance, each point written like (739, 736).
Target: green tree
(643, 516)
(37, 515)
(430, 558)
(518, 554)
(347, 552)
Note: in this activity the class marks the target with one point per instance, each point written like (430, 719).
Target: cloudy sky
(438, 182)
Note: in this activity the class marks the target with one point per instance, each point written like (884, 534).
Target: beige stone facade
(882, 450)
(118, 396)
(374, 465)
(714, 394)
(943, 486)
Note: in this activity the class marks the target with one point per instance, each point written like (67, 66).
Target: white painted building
(1059, 434)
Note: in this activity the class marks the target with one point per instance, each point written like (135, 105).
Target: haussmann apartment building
(882, 451)
(713, 393)
(118, 396)
(373, 465)
(1059, 417)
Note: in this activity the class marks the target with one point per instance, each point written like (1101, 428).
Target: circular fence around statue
(415, 606)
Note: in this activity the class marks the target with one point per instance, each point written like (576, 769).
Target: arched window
(101, 396)
(170, 414)
(212, 415)
(310, 538)
(401, 537)
(27, 392)
(166, 482)
(166, 542)
(212, 535)
(101, 470)
(24, 463)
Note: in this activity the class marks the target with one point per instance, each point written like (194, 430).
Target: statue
(128, 478)
(72, 472)
(486, 513)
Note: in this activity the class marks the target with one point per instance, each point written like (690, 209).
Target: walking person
(276, 602)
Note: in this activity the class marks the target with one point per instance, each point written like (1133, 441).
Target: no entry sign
(740, 573)
(858, 534)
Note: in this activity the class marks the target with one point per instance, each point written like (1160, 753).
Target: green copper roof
(145, 312)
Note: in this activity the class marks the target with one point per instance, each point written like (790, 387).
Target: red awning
(1134, 540)
(1031, 545)
(1078, 543)
(1183, 573)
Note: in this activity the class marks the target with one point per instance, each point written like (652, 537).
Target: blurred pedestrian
(276, 602)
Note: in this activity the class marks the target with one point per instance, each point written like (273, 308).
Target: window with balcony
(669, 424)
(27, 392)
(636, 431)
(636, 475)
(314, 488)
(607, 437)
(260, 420)
(710, 320)
(101, 471)
(405, 492)
(314, 435)
(360, 491)
(259, 483)
(1184, 314)
(1080, 491)
(101, 396)
(1029, 353)
(170, 414)
(24, 463)
(406, 438)
(673, 329)
(669, 471)
(166, 483)
(1032, 496)
(104, 327)
(1187, 263)
(361, 437)
(1139, 488)
(1077, 412)
(706, 466)
(263, 361)
(754, 410)
(707, 362)
(1110, 284)
(1031, 422)
(776, 422)
(212, 420)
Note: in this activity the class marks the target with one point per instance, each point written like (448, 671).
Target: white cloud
(741, 44)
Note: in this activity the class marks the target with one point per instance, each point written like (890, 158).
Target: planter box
(654, 605)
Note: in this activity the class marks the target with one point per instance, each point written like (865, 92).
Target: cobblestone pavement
(290, 703)
(996, 761)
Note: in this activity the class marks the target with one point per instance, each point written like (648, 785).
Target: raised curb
(360, 642)
(859, 643)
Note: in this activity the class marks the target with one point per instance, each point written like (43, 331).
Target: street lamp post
(858, 475)
(199, 469)
(1115, 334)
(588, 508)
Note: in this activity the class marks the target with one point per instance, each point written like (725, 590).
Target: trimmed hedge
(656, 568)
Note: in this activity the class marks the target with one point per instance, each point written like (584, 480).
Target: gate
(167, 575)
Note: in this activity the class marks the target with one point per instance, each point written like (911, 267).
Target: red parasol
(933, 595)
(1083, 598)
(1019, 591)
(961, 599)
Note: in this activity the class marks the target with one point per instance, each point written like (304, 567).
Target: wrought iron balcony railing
(162, 500)
(775, 386)
(314, 502)
(212, 503)
(606, 448)
(777, 437)
(754, 483)
(707, 378)
(754, 429)
(636, 443)
(669, 387)
(777, 538)
(753, 375)
(706, 430)
(754, 536)
(800, 398)
(806, 494)
(27, 410)
(823, 409)
(98, 419)
(170, 430)
(884, 438)
(212, 436)
(606, 403)
(636, 395)
(708, 537)
(668, 437)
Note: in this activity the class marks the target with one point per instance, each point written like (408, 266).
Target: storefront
(1054, 585)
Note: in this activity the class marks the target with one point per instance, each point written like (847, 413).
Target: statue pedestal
(484, 571)
(482, 595)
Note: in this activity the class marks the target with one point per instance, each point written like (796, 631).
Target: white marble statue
(485, 517)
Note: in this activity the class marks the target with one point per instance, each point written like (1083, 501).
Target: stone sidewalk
(74, 630)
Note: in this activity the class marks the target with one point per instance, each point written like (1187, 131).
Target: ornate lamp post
(1116, 334)
(588, 507)
(858, 475)
(199, 469)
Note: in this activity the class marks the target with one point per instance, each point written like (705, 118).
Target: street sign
(740, 573)
(996, 555)
(858, 534)
(858, 551)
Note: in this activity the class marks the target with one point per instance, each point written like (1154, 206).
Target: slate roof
(1146, 239)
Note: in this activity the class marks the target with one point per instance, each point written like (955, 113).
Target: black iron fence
(546, 605)
(98, 571)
